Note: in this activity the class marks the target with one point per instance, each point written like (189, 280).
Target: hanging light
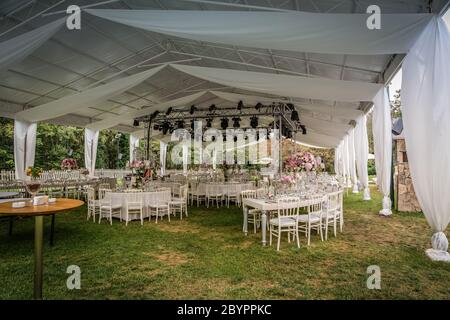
(254, 122)
(236, 122)
(258, 106)
(156, 127)
(193, 108)
(303, 127)
(135, 123)
(240, 105)
(180, 124)
(154, 115)
(224, 123)
(212, 108)
(169, 111)
(165, 127)
(209, 122)
(294, 116)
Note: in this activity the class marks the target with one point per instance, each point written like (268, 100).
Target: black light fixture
(235, 139)
(180, 124)
(236, 123)
(224, 123)
(156, 127)
(303, 127)
(258, 106)
(240, 105)
(154, 115)
(209, 122)
(136, 123)
(169, 111)
(165, 127)
(290, 106)
(213, 138)
(254, 122)
(212, 108)
(193, 108)
(294, 116)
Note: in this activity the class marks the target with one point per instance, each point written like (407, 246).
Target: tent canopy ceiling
(104, 51)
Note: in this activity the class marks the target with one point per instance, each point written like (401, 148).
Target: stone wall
(406, 197)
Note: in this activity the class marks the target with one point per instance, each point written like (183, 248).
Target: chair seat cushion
(312, 218)
(107, 206)
(158, 205)
(174, 201)
(284, 221)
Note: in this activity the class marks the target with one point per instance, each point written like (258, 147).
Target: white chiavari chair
(179, 204)
(134, 204)
(93, 204)
(108, 208)
(286, 221)
(313, 219)
(253, 215)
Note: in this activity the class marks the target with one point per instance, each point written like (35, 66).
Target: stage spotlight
(224, 123)
(169, 111)
(156, 127)
(212, 108)
(290, 106)
(303, 127)
(240, 105)
(154, 115)
(294, 116)
(254, 122)
(258, 106)
(193, 108)
(165, 127)
(236, 123)
(288, 134)
(209, 122)
(180, 124)
(136, 123)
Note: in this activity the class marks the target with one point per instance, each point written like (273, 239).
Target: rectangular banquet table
(149, 198)
(265, 205)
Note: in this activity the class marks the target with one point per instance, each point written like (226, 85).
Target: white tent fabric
(345, 161)
(426, 118)
(163, 157)
(85, 99)
(185, 159)
(134, 145)
(24, 147)
(294, 31)
(362, 153)
(16, 49)
(112, 121)
(90, 149)
(336, 161)
(382, 141)
(286, 85)
(352, 160)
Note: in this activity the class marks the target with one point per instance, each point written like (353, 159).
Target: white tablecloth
(226, 188)
(149, 198)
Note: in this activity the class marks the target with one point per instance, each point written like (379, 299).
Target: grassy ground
(207, 257)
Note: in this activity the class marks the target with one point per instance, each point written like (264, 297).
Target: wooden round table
(38, 212)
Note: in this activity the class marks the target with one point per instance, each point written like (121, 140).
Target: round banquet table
(38, 212)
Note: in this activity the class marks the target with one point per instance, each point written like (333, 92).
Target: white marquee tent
(132, 57)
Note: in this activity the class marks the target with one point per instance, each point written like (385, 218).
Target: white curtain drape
(134, 145)
(185, 159)
(362, 154)
(163, 157)
(286, 85)
(382, 142)
(426, 119)
(293, 31)
(85, 99)
(352, 160)
(16, 49)
(24, 147)
(90, 149)
(336, 161)
(346, 160)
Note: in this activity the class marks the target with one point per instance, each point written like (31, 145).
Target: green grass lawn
(207, 257)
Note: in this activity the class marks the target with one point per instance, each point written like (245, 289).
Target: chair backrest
(288, 207)
(184, 192)
(315, 205)
(248, 194)
(260, 192)
(134, 197)
(333, 202)
(102, 192)
(90, 194)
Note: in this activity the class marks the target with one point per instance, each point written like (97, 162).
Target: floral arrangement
(301, 161)
(34, 172)
(69, 164)
(287, 179)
